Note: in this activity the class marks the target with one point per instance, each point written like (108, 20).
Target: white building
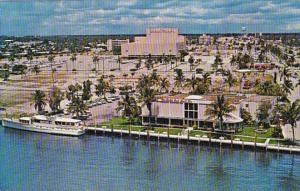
(188, 111)
(158, 42)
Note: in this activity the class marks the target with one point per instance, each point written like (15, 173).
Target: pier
(151, 135)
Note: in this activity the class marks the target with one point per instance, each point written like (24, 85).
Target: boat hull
(11, 124)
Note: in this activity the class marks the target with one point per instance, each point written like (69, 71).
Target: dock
(151, 135)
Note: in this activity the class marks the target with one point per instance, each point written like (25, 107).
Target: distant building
(115, 45)
(188, 111)
(158, 42)
(205, 39)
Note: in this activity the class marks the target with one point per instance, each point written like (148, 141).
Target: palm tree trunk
(293, 129)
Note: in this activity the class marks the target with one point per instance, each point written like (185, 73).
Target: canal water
(32, 161)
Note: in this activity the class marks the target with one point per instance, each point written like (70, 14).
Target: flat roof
(62, 119)
(194, 97)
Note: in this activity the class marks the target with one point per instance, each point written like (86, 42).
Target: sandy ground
(16, 93)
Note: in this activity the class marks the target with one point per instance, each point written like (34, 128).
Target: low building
(158, 42)
(188, 111)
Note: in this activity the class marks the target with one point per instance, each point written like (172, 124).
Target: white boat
(44, 124)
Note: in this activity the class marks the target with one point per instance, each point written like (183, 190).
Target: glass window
(195, 114)
(186, 106)
(191, 106)
(196, 107)
(186, 114)
(191, 114)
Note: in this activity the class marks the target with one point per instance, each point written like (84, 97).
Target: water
(32, 161)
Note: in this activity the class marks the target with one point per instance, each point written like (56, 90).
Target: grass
(249, 131)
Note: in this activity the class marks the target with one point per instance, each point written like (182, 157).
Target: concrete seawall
(196, 140)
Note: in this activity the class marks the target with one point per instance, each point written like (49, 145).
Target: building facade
(114, 45)
(187, 112)
(158, 42)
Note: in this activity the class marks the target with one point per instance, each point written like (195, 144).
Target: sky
(96, 17)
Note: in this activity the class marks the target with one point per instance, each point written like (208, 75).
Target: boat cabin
(67, 121)
(25, 120)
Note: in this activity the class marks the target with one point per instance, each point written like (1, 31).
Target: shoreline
(186, 139)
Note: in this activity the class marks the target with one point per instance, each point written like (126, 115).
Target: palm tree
(39, 99)
(138, 64)
(129, 108)
(55, 97)
(192, 82)
(179, 79)
(95, 61)
(29, 56)
(119, 62)
(102, 87)
(147, 97)
(164, 84)
(230, 80)
(191, 62)
(287, 86)
(86, 91)
(206, 78)
(290, 114)
(77, 106)
(285, 73)
(36, 69)
(71, 92)
(154, 79)
(51, 59)
(219, 109)
(73, 59)
(12, 58)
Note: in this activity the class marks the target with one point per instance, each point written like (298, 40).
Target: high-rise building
(158, 42)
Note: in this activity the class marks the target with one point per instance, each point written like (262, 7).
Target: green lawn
(123, 123)
(250, 131)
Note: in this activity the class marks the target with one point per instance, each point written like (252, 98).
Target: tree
(287, 86)
(285, 73)
(39, 99)
(164, 85)
(71, 92)
(73, 59)
(179, 79)
(138, 64)
(263, 113)
(219, 109)
(191, 62)
(29, 56)
(192, 82)
(119, 62)
(246, 116)
(12, 58)
(77, 106)
(230, 80)
(95, 61)
(147, 97)
(290, 114)
(55, 97)
(86, 91)
(129, 108)
(36, 69)
(149, 62)
(102, 87)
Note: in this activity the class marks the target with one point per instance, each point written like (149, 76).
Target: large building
(157, 42)
(189, 111)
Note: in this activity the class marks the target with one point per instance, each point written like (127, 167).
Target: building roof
(194, 97)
